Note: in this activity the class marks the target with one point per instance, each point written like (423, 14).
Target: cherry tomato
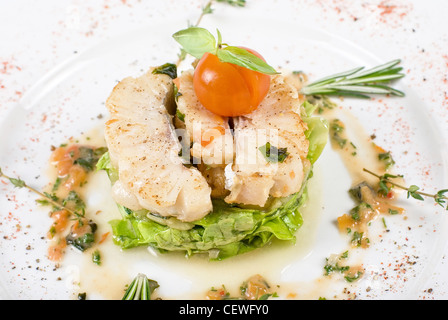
(227, 89)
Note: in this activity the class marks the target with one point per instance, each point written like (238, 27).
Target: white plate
(66, 104)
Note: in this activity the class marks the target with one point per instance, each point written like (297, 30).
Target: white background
(36, 36)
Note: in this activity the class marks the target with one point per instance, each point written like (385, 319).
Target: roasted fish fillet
(277, 121)
(209, 134)
(145, 149)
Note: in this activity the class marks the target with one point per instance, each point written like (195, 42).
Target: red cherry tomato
(227, 89)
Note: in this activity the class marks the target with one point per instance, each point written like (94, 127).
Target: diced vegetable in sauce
(73, 163)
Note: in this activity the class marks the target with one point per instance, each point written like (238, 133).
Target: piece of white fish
(145, 149)
(278, 121)
(209, 134)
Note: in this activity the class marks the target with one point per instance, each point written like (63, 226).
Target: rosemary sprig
(19, 183)
(358, 82)
(412, 191)
(140, 288)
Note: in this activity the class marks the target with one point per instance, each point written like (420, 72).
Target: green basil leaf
(272, 153)
(244, 58)
(169, 69)
(196, 41)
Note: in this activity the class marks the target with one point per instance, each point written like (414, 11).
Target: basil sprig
(196, 41)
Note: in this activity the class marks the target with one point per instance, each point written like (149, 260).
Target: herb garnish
(337, 129)
(334, 266)
(180, 115)
(358, 237)
(169, 69)
(355, 212)
(386, 182)
(88, 157)
(96, 257)
(351, 278)
(46, 198)
(197, 41)
(239, 3)
(73, 200)
(82, 296)
(358, 82)
(141, 288)
(84, 241)
(207, 9)
(387, 159)
(273, 154)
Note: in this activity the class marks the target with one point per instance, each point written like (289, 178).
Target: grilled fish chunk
(276, 121)
(145, 149)
(209, 134)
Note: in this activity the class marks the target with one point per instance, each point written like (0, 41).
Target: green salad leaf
(317, 132)
(225, 232)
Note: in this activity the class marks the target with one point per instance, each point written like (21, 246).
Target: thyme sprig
(46, 197)
(358, 82)
(207, 9)
(413, 191)
(235, 3)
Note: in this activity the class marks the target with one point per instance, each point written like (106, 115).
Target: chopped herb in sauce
(386, 159)
(82, 235)
(385, 187)
(357, 191)
(356, 212)
(393, 211)
(322, 103)
(254, 288)
(82, 296)
(353, 277)
(88, 157)
(332, 264)
(336, 131)
(73, 200)
(359, 239)
(96, 257)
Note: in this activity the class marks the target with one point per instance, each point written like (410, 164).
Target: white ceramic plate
(66, 103)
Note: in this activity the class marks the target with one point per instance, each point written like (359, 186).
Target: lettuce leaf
(105, 164)
(225, 232)
(317, 133)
